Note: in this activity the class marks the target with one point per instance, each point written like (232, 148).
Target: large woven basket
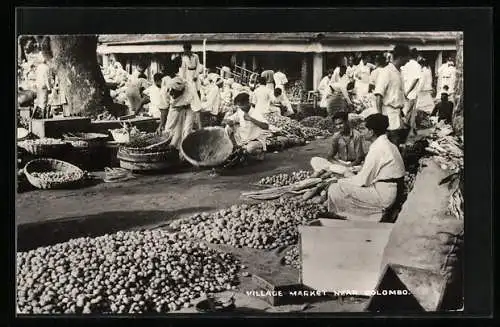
(52, 165)
(207, 147)
(47, 150)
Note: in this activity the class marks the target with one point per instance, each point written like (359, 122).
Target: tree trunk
(458, 113)
(74, 59)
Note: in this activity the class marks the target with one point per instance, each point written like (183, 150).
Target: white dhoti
(425, 102)
(255, 147)
(361, 203)
(179, 125)
(395, 118)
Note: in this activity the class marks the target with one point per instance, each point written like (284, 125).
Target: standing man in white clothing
(159, 99)
(411, 76)
(43, 84)
(389, 90)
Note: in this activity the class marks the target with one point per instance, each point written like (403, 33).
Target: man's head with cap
(377, 124)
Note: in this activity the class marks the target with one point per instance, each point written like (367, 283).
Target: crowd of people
(186, 98)
(399, 84)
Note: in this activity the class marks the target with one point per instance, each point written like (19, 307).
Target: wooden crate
(341, 255)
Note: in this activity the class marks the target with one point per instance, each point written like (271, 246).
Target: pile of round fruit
(292, 257)
(265, 225)
(311, 133)
(323, 123)
(58, 176)
(288, 125)
(125, 272)
(285, 179)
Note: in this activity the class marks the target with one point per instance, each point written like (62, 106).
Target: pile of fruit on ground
(125, 272)
(285, 179)
(292, 133)
(292, 257)
(265, 225)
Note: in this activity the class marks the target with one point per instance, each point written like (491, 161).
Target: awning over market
(276, 42)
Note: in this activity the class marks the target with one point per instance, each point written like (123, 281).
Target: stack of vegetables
(313, 188)
(290, 132)
(264, 225)
(448, 152)
(285, 179)
(125, 272)
(323, 123)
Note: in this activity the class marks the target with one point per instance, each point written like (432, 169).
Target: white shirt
(425, 80)
(336, 74)
(362, 72)
(323, 85)
(350, 72)
(248, 131)
(158, 100)
(374, 74)
(389, 85)
(411, 73)
(382, 162)
(262, 99)
(42, 76)
(280, 79)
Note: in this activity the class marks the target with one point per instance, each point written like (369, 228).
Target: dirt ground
(46, 217)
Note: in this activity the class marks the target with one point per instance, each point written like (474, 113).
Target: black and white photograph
(240, 173)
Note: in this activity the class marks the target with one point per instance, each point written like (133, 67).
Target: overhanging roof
(354, 37)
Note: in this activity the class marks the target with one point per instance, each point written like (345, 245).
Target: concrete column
(317, 69)
(304, 71)
(105, 60)
(254, 63)
(439, 61)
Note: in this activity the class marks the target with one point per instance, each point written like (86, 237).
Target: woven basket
(44, 149)
(52, 165)
(207, 147)
(169, 155)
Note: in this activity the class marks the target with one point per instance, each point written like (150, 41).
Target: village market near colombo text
(237, 173)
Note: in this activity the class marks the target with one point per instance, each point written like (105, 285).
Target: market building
(304, 56)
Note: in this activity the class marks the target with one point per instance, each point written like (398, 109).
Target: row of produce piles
(292, 133)
(448, 152)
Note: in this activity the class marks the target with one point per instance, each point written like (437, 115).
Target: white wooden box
(342, 256)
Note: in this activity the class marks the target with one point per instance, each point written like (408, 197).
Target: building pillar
(105, 60)
(254, 63)
(439, 61)
(317, 69)
(304, 71)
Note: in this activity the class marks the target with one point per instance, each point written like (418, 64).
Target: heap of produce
(323, 123)
(286, 124)
(448, 152)
(311, 133)
(58, 176)
(43, 141)
(285, 179)
(292, 257)
(313, 188)
(125, 272)
(265, 225)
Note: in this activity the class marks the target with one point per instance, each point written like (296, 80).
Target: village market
(226, 125)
